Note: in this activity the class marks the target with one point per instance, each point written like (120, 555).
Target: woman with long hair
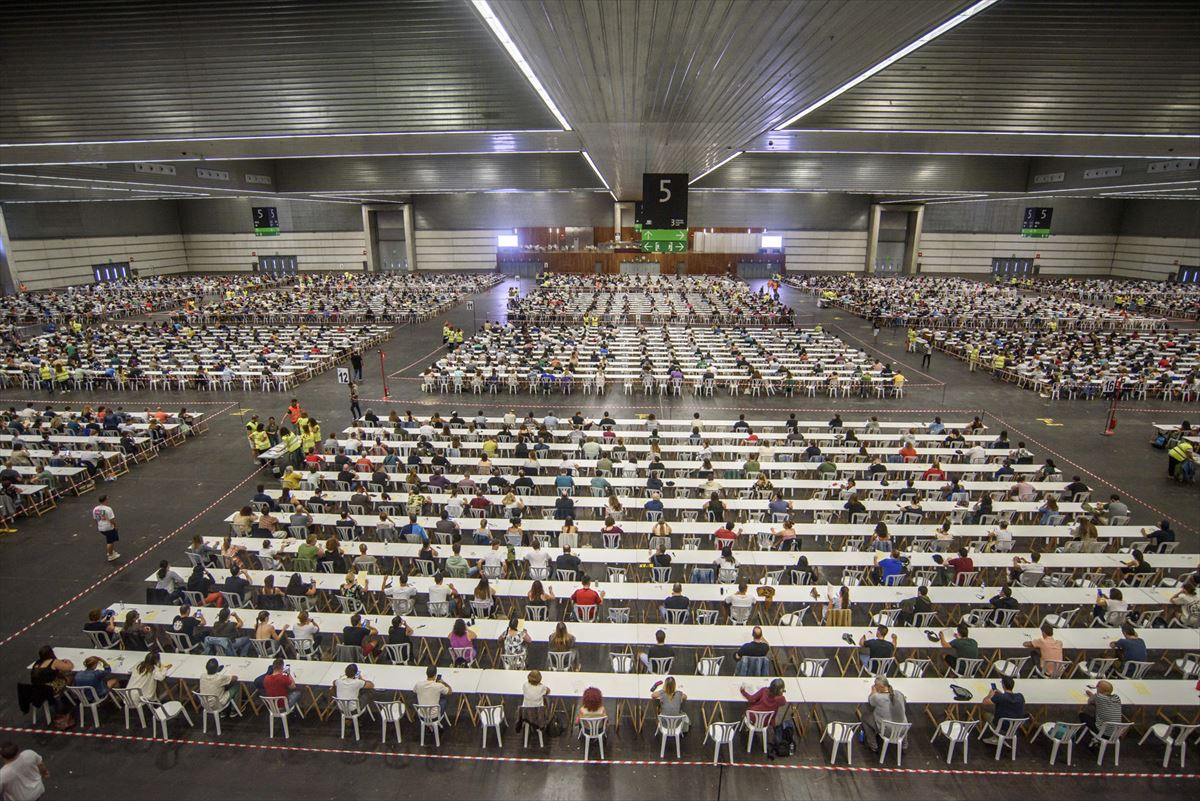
(670, 700)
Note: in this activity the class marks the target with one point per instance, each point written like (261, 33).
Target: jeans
(239, 646)
(753, 666)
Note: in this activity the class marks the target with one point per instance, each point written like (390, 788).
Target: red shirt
(961, 564)
(763, 701)
(934, 474)
(586, 596)
(480, 502)
(724, 537)
(277, 685)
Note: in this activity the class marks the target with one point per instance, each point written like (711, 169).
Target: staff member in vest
(46, 374)
(1177, 459)
(291, 444)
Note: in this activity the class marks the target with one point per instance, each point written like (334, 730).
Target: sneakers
(114, 556)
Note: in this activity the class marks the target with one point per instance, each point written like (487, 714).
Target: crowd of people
(568, 299)
(1138, 296)
(350, 297)
(956, 303)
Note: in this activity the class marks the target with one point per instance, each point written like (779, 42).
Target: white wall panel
(339, 250)
(829, 251)
(1057, 255)
(1153, 257)
(457, 250)
(51, 263)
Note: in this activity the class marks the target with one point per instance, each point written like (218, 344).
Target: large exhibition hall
(599, 399)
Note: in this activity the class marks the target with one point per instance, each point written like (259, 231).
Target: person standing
(106, 524)
(927, 352)
(356, 364)
(23, 774)
(355, 408)
(875, 331)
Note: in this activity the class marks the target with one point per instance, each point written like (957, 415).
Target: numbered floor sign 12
(343, 375)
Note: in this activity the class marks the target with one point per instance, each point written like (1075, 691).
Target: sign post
(383, 375)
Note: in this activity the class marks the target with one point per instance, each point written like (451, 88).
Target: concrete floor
(52, 571)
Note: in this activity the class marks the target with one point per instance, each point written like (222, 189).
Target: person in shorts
(106, 524)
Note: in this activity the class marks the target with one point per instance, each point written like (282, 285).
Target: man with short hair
(676, 600)
(1049, 648)
(278, 683)
(1130, 648)
(23, 774)
(660, 650)
(910, 607)
(106, 524)
(1000, 704)
(961, 647)
(432, 691)
(216, 681)
(537, 558)
(567, 560)
(878, 647)
(757, 647)
(353, 687)
(585, 595)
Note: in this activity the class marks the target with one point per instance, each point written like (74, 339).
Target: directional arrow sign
(664, 235)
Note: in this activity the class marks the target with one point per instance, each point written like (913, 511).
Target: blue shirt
(1009, 705)
(1132, 649)
(94, 679)
(890, 567)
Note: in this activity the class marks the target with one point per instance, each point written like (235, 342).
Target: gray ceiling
(360, 99)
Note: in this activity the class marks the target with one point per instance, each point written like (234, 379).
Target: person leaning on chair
(884, 702)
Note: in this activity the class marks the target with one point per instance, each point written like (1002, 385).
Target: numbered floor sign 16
(343, 375)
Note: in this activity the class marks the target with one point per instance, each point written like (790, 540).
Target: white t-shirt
(20, 780)
(740, 601)
(347, 689)
(402, 592)
(538, 558)
(438, 593)
(305, 631)
(104, 517)
(493, 559)
(534, 694)
(430, 692)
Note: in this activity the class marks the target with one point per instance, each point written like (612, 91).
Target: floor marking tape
(417, 361)
(128, 563)
(561, 761)
(1085, 471)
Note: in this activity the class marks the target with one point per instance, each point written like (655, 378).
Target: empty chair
(560, 660)
(892, 733)
(621, 662)
(1111, 734)
(722, 733)
(491, 716)
(913, 667)
(966, 668)
(958, 732)
(709, 665)
(390, 714)
(1172, 736)
(1099, 667)
(1188, 665)
(840, 734)
(1059, 733)
(811, 667)
(1010, 667)
(593, 730)
(163, 712)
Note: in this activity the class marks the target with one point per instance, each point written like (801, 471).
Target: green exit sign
(664, 247)
(664, 235)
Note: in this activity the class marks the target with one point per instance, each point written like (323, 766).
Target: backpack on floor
(785, 739)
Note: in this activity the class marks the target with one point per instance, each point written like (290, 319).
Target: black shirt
(676, 602)
(186, 625)
(567, 561)
(754, 649)
(353, 635)
(880, 649)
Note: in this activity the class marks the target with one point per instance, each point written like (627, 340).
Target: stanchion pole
(383, 374)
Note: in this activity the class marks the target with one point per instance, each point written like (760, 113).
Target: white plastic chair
(86, 698)
(1111, 734)
(491, 716)
(893, 733)
(162, 712)
(722, 733)
(431, 718)
(130, 700)
(278, 708)
(214, 705)
(390, 713)
(592, 729)
(351, 710)
(1006, 731)
(1172, 736)
(841, 734)
(757, 722)
(670, 726)
(957, 732)
(1058, 733)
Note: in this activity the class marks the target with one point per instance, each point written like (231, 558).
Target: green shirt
(306, 551)
(456, 565)
(965, 648)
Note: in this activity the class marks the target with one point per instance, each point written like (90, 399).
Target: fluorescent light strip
(948, 25)
(934, 197)
(716, 166)
(514, 53)
(268, 137)
(588, 157)
(301, 156)
(806, 151)
(781, 132)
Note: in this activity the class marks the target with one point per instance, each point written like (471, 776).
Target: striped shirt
(1108, 708)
